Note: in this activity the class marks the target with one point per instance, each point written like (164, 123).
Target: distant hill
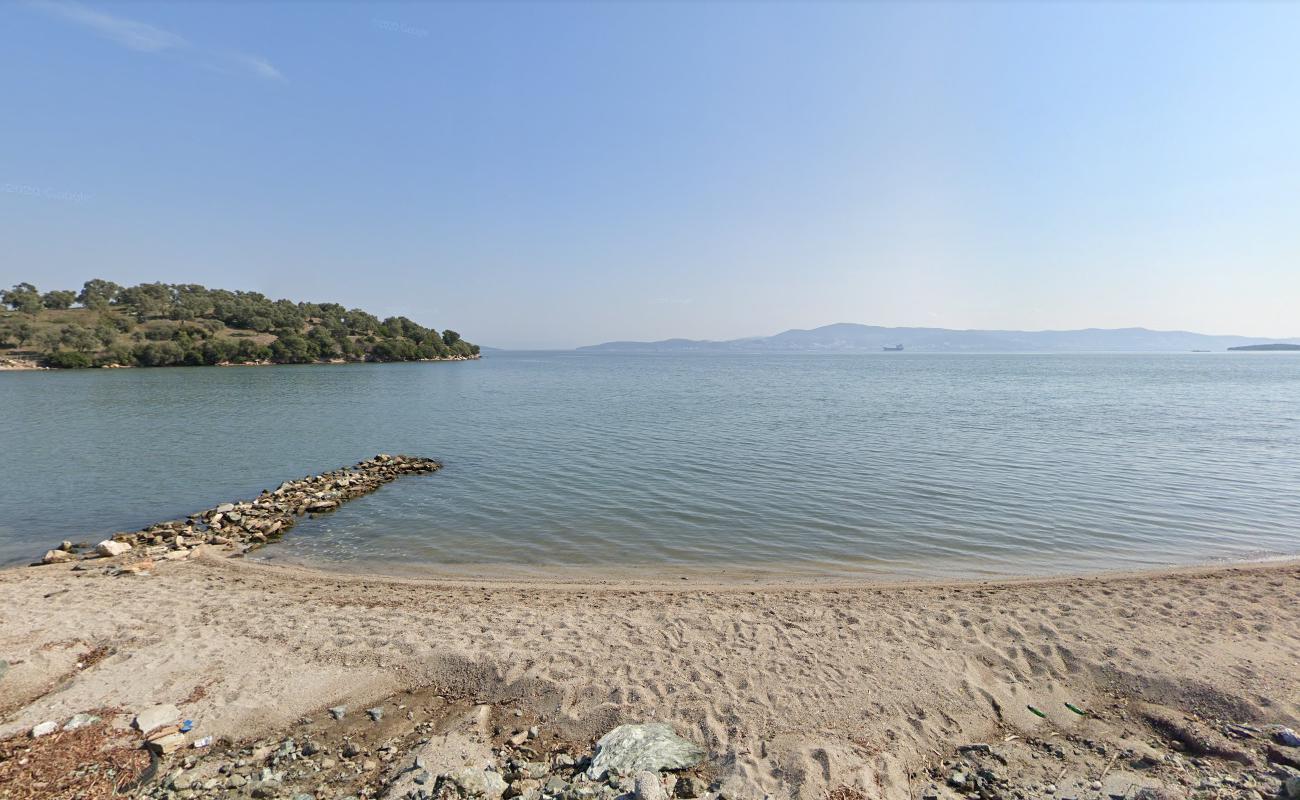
(1273, 347)
(852, 338)
(159, 324)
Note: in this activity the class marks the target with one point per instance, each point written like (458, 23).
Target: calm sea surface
(593, 465)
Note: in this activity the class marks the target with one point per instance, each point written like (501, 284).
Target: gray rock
(689, 787)
(654, 747)
(1291, 788)
(338, 712)
(109, 548)
(649, 787)
(156, 717)
(80, 721)
(375, 713)
(225, 508)
(44, 729)
(57, 557)
(1287, 737)
(475, 782)
(555, 787)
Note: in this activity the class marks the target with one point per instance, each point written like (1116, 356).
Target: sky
(547, 175)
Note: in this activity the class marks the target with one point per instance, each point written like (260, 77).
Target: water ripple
(905, 464)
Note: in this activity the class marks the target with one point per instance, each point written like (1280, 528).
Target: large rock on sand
(653, 747)
(109, 548)
(57, 557)
(156, 717)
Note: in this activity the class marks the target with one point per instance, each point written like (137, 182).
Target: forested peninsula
(163, 325)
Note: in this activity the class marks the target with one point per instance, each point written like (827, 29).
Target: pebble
(80, 721)
(338, 712)
(44, 729)
(649, 787)
(375, 713)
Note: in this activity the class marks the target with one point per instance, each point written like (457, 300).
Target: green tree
(79, 338)
(58, 299)
(23, 297)
(450, 337)
(24, 331)
(98, 293)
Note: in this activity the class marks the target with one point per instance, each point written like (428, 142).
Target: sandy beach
(793, 689)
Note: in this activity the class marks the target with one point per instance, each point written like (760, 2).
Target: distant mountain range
(848, 337)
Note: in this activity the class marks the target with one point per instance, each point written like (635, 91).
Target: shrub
(67, 359)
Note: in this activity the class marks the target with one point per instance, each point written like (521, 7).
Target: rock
(375, 713)
(1121, 784)
(350, 750)
(369, 764)
(1291, 788)
(475, 782)
(80, 721)
(653, 747)
(555, 787)
(57, 557)
(109, 548)
(44, 729)
(165, 745)
(1287, 737)
(689, 787)
(337, 712)
(156, 717)
(65, 546)
(225, 508)
(649, 787)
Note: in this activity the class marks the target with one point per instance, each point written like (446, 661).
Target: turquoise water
(595, 464)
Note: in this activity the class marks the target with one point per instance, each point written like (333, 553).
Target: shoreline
(34, 365)
(787, 686)
(673, 578)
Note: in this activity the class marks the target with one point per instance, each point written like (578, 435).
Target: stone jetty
(252, 523)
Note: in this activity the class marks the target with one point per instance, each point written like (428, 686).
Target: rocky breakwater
(244, 525)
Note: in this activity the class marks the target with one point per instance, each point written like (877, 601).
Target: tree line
(160, 324)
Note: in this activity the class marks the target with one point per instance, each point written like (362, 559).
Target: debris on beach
(248, 524)
(445, 749)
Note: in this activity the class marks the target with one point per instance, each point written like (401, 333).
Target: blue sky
(549, 175)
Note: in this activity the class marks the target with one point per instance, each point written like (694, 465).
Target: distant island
(162, 325)
(1273, 347)
(853, 338)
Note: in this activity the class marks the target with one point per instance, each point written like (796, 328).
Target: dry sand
(794, 689)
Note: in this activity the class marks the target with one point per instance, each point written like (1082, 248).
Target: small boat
(898, 348)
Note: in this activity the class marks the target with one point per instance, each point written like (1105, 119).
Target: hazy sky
(552, 175)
